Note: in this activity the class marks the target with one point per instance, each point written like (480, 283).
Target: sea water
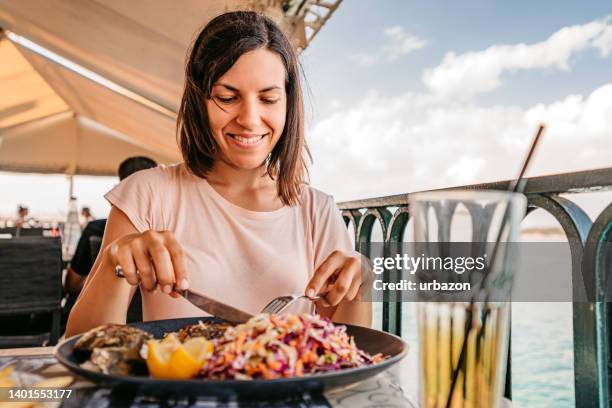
(542, 352)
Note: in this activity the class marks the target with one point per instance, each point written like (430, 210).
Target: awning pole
(71, 189)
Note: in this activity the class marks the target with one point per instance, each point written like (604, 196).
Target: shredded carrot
(275, 365)
(310, 357)
(228, 357)
(265, 372)
(299, 368)
(240, 341)
(279, 323)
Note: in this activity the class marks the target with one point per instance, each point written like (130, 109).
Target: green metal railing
(592, 319)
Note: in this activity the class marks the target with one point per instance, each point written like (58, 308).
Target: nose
(249, 115)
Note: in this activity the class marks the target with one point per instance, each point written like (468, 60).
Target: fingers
(146, 272)
(151, 259)
(354, 290)
(178, 262)
(162, 264)
(348, 279)
(122, 256)
(341, 274)
(325, 271)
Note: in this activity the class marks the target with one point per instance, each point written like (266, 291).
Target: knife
(209, 305)
(214, 307)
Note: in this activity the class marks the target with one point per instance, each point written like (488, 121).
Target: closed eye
(270, 101)
(226, 99)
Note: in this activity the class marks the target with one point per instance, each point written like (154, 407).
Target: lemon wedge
(172, 360)
(189, 358)
(158, 357)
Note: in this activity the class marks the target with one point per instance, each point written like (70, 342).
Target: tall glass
(463, 327)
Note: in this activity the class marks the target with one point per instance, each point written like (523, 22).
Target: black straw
(515, 186)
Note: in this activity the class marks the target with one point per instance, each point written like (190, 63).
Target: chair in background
(30, 286)
(9, 230)
(23, 232)
(30, 232)
(134, 313)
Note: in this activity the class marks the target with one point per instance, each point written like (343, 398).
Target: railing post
(598, 264)
(364, 238)
(576, 225)
(394, 238)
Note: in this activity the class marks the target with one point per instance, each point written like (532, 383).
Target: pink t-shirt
(241, 257)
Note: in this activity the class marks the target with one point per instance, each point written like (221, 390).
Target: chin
(249, 164)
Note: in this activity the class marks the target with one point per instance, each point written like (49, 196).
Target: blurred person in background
(22, 220)
(86, 216)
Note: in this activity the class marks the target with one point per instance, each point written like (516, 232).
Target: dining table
(396, 387)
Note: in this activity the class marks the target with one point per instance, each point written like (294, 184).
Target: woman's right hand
(150, 258)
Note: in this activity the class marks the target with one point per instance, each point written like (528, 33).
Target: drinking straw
(515, 186)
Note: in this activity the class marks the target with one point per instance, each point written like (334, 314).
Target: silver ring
(119, 271)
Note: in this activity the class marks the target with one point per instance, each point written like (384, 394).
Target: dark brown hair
(214, 52)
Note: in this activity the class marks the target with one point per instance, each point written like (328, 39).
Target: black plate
(371, 341)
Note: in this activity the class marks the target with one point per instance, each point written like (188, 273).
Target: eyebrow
(234, 89)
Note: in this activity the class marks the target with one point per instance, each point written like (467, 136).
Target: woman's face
(247, 109)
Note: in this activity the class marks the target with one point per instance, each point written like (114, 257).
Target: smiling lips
(246, 139)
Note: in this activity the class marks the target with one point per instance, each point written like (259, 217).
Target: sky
(405, 96)
(422, 95)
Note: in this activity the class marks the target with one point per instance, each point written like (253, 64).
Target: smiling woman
(237, 220)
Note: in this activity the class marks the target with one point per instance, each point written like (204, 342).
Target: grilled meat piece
(207, 330)
(113, 335)
(110, 360)
(112, 348)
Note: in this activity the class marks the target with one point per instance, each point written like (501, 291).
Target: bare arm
(149, 259)
(356, 312)
(104, 298)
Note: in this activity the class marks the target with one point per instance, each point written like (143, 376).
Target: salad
(274, 346)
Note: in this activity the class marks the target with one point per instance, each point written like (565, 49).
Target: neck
(225, 175)
(250, 189)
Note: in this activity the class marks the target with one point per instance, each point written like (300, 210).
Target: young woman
(236, 220)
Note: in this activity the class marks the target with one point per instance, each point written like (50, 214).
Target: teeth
(247, 140)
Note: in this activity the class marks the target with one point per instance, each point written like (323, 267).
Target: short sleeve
(136, 197)
(330, 232)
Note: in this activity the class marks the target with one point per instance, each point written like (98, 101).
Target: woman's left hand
(339, 275)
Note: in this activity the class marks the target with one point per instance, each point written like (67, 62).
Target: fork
(280, 303)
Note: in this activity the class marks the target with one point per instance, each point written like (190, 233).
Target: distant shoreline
(543, 231)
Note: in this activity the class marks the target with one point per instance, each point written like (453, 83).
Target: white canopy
(69, 144)
(55, 119)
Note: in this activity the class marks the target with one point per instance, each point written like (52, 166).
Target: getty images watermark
(463, 271)
(405, 263)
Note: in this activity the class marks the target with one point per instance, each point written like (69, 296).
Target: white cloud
(421, 141)
(399, 43)
(604, 42)
(480, 71)
(364, 59)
